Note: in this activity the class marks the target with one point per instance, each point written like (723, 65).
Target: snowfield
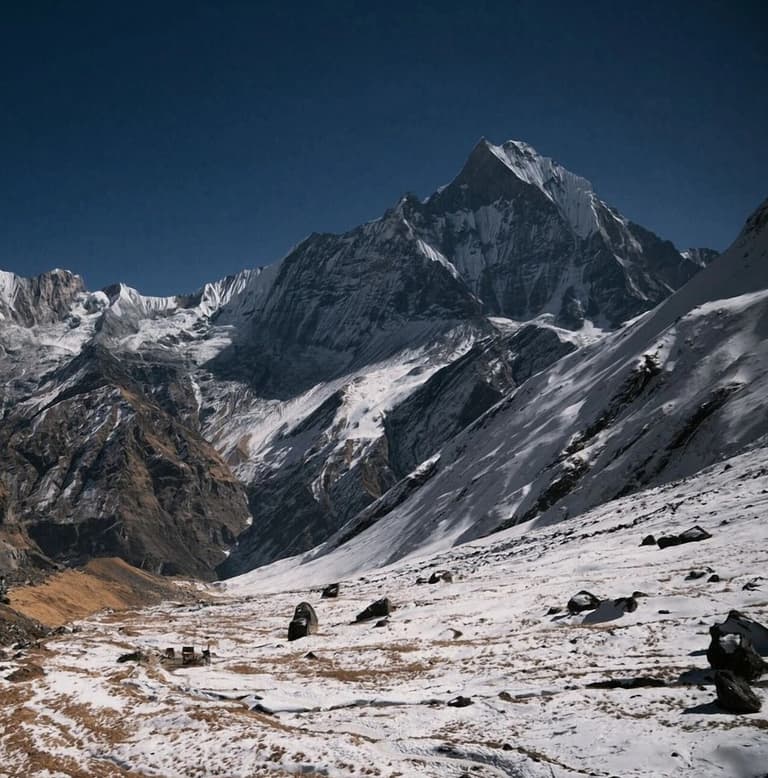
(375, 701)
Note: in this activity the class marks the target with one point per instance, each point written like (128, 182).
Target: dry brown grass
(102, 583)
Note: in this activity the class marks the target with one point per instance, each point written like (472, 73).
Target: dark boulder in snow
(635, 682)
(608, 610)
(691, 535)
(441, 575)
(304, 622)
(133, 656)
(460, 702)
(583, 601)
(739, 623)
(733, 651)
(648, 540)
(332, 590)
(734, 694)
(376, 610)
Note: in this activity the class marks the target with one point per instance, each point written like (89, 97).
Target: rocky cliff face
(94, 466)
(340, 302)
(529, 237)
(40, 300)
(257, 416)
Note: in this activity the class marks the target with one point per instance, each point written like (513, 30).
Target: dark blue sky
(165, 144)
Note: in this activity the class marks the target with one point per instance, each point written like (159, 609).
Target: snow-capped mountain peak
(572, 194)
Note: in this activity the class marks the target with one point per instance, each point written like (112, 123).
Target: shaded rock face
(734, 694)
(17, 628)
(39, 300)
(102, 470)
(330, 591)
(583, 601)
(461, 392)
(375, 610)
(731, 646)
(692, 535)
(343, 301)
(529, 237)
(734, 652)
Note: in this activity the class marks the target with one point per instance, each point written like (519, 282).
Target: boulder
(694, 575)
(635, 682)
(608, 610)
(692, 535)
(441, 575)
(460, 702)
(133, 656)
(332, 590)
(739, 623)
(583, 601)
(304, 622)
(376, 610)
(734, 694)
(648, 540)
(734, 652)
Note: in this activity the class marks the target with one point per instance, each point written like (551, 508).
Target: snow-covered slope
(546, 695)
(682, 387)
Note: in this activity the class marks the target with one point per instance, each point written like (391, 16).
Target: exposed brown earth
(102, 583)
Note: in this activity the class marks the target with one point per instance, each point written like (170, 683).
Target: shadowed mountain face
(257, 416)
(101, 469)
(529, 237)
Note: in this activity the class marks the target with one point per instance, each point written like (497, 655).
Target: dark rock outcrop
(740, 624)
(692, 535)
(731, 646)
(17, 628)
(375, 610)
(102, 470)
(460, 702)
(734, 694)
(583, 601)
(445, 576)
(608, 610)
(734, 652)
(332, 590)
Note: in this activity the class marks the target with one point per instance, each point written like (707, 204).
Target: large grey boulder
(304, 622)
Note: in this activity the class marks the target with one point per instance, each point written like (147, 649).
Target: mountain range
(509, 348)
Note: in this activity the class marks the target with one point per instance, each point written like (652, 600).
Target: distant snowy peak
(240, 296)
(572, 194)
(700, 256)
(41, 299)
